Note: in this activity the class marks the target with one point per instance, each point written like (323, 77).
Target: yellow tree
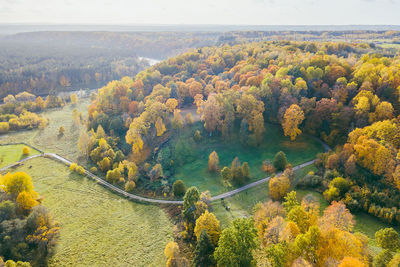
(171, 251)
(278, 187)
(74, 99)
(26, 201)
(160, 127)
(207, 221)
(293, 117)
(171, 104)
(351, 262)
(213, 162)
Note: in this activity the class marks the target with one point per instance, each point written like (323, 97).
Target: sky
(225, 12)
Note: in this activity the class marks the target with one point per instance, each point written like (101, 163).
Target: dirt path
(145, 199)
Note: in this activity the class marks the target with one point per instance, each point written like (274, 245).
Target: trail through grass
(12, 153)
(98, 228)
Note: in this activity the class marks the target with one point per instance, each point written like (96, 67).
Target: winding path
(145, 199)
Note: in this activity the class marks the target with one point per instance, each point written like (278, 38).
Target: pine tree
(203, 254)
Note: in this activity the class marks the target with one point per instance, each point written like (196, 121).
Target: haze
(233, 12)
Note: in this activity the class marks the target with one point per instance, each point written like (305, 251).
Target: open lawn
(47, 139)
(194, 172)
(12, 153)
(98, 228)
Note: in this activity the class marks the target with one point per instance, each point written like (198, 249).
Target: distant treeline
(49, 62)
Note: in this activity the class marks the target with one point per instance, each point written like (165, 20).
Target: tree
(306, 245)
(280, 161)
(388, 238)
(61, 131)
(351, 262)
(171, 252)
(191, 196)
(300, 217)
(383, 258)
(207, 221)
(213, 162)
(74, 99)
(178, 188)
(40, 105)
(26, 150)
(290, 201)
(203, 254)
(337, 215)
(171, 103)
(25, 201)
(83, 143)
(293, 117)
(279, 186)
(160, 127)
(16, 183)
(236, 244)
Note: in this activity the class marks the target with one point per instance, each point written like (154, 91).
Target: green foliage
(280, 161)
(203, 254)
(236, 244)
(178, 188)
(290, 201)
(191, 196)
(383, 258)
(388, 238)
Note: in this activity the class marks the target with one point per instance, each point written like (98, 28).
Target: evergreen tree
(280, 161)
(203, 254)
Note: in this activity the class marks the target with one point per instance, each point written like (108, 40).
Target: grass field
(195, 173)
(47, 139)
(98, 228)
(12, 153)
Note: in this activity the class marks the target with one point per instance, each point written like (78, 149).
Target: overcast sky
(233, 12)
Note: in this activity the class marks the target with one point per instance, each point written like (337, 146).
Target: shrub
(179, 188)
(4, 127)
(26, 150)
(197, 136)
(280, 161)
(129, 186)
(213, 162)
(93, 170)
(73, 166)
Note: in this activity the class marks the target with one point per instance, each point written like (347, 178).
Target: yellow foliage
(26, 201)
(160, 127)
(26, 150)
(207, 221)
(293, 117)
(351, 262)
(17, 183)
(279, 187)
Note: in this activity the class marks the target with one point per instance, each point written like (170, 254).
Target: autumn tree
(26, 150)
(74, 99)
(171, 251)
(207, 221)
(337, 215)
(160, 127)
(293, 117)
(279, 186)
(213, 162)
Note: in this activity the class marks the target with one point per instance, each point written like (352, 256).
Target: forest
(304, 133)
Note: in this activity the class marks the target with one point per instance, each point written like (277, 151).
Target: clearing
(12, 153)
(194, 172)
(98, 228)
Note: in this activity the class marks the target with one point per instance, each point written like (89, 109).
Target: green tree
(290, 201)
(203, 254)
(383, 258)
(191, 196)
(388, 238)
(178, 188)
(237, 243)
(280, 161)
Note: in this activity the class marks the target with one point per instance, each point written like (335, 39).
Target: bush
(93, 170)
(26, 150)
(4, 127)
(129, 186)
(73, 166)
(179, 188)
(280, 161)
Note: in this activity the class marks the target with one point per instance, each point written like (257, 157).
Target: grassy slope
(98, 228)
(48, 139)
(12, 153)
(195, 173)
